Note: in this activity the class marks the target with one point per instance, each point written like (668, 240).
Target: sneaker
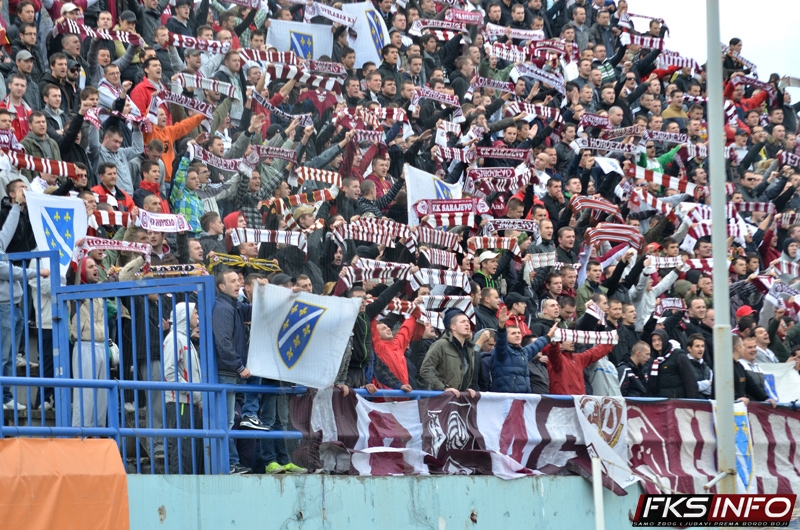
(252, 423)
(130, 408)
(11, 405)
(158, 454)
(46, 406)
(21, 362)
(292, 468)
(239, 469)
(274, 468)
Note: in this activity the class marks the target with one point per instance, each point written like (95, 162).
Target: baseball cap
(128, 16)
(72, 64)
(513, 298)
(69, 7)
(24, 55)
(741, 132)
(192, 51)
(744, 311)
(283, 280)
(487, 255)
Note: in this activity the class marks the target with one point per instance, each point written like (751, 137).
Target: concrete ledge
(369, 503)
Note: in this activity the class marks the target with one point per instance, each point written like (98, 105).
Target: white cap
(487, 255)
(69, 7)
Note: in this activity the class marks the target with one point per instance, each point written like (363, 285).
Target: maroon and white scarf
(390, 226)
(20, 160)
(465, 155)
(615, 232)
(440, 277)
(626, 22)
(325, 67)
(548, 78)
(8, 141)
(212, 46)
(281, 237)
(607, 145)
(791, 159)
(402, 307)
(640, 196)
(585, 337)
(105, 218)
(594, 120)
(370, 234)
(203, 108)
(434, 304)
(748, 64)
(508, 153)
(754, 82)
(70, 26)
(785, 267)
(226, 164)
(472, 205)
(444, 35)
(99, 243)
(480, 82)
(645, 42)
(450, 219)
(428, 93)
(488, 242)
(516, 179)
(622, 132)
(517, 107)
(523, 225)
(252, 4)
(542, 259)
(579, 202)
(302, 174)
(669, 304)
(162, 222)
(663, 136)
(421, 24)
(334, 15)
(665, 262)
(206, 83)
(701, 264)
(493, 30)
(673, 183)
(305, 119)
(470, 18)
(674, 59)
(363, 135)
(787, 219)
(441, 257)
(509, 52)
(429, 236)
(268, 151)
(391, 271)
(765, 207)
(249, 54)
(284, 71)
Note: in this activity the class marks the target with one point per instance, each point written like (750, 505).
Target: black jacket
(746, 386)
(632, 378)
(23, 240)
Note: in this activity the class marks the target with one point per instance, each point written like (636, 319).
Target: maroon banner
(439, 206)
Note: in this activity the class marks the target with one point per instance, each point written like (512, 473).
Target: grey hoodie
(6, 269)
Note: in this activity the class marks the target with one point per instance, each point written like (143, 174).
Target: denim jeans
(233, 454)
(275, 415)
(155, 410)
(46, 366)
(8, 353)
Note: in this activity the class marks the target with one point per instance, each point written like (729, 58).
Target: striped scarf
(464, 155)
(303, 174)
(164, 271)
(479, 82)
(429, 236)
(510, 52)
(392, 227)
(212, 46)
(553, 79)
(706, 264)
(606, 145)
(285, 205)
(633, 130)
(439, 277)
(8, 141)
(105, 218)
(402, 307)
(523, 225)
(249, 54)
(674, 59)
(369, 234)
(656, 363)
(444, 35)
(268, 151)
(665, 262)
(421, 24)
(427, 93)
(437, 220)
(305, 119)
(229, 260)
(663, 136)
(205, 83)
(517, 107)
(651, 43)
(318, 9)
(100, 243)
(369, 136)
(283, 71)
(585, 337)
(786, 267)
(439, 303)
(669, 304)
(380, 274)
(640, 196)
(673, 183)
(747, 64)
(20, 160)
(226, 164)
(203, 108)
(542, 259)
(494, 30)
(614, 232)
(765, 207)
(580, 202)
(487, 242)
(70, 26)
(789, 158)
(442, 258)
(281, 237)
(690, 151)
(594, 120)
(787, 219)
(162, 222)
(471, 18)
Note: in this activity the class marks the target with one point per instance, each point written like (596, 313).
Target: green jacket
(448, 364)
(493, 73)
(781, 347)
(663, 161)
(584, 294)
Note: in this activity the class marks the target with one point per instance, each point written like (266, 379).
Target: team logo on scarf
(302, 44)
(297, 330)
(375, 29)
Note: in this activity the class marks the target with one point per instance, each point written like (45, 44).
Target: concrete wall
(354, 503)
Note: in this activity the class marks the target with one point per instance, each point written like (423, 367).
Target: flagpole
(723, 367)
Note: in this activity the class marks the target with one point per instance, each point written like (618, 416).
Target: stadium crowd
(576, 260)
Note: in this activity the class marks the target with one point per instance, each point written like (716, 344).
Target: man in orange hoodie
(169, 134)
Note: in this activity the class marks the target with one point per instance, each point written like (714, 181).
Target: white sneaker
(130, 408)
(21, 362)
(11, 405)
(46, 406)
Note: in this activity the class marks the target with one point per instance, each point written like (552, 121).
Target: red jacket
(393, 352)
(745, 104)
(141, 96)
(124, 201)
(566, 369)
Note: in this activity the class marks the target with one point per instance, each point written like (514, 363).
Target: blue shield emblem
(442, 191)
(375, 30)
(769, 384)
(744, 451)
(60, 232)
(296, 331)
(302, 44)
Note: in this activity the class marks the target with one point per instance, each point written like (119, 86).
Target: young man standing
(17, 107)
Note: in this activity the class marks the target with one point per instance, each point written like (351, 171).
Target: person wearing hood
(182, 365)
(332, 260)
(789, 253)
(510, 359)
(672, 374)
(294, 262)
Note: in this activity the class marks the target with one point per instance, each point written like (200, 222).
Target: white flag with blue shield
(57, 223)
(308, 41)
(371, 31)
(422, 185)
(299, 337)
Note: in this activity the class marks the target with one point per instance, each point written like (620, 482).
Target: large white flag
(371, 30)
(299, 337)
(57, 222)
(421, 185)
(309, 41)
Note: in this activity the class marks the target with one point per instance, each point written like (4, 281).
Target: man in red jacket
(565, 368)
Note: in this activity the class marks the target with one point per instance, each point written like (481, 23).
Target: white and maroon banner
(670, 442)
(439, 206)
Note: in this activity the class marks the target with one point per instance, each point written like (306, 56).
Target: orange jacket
(169, 135)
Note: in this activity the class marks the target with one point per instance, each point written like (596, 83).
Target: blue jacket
(230, 337)
(510, 364)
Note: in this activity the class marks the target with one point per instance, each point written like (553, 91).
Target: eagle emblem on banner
(375, 30)
(296, 331)
(60, 232)
(302, 44)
